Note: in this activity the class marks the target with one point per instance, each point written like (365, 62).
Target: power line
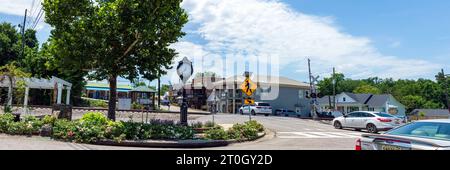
(38, 19)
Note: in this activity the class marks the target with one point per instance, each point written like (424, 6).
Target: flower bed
(95, 127)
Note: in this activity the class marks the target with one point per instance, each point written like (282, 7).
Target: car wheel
(240, 111)
(371, 128)
(286, 115)
(266, 115)
(253, 112)
(337, 125)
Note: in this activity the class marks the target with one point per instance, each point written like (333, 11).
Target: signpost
(248, 88)
(184, 70)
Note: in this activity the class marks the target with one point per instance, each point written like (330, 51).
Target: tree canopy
(108, 39)
(414, 94)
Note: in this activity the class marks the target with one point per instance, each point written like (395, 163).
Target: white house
(349, 102)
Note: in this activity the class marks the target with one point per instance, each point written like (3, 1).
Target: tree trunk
(112, 97)
(10, 91)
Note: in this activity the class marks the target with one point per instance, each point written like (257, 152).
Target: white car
(257, 108)
(371, 121)
(419, 135)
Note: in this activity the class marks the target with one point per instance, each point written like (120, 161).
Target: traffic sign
(248, 87)
(249, 101)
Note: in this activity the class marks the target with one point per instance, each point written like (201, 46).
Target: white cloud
(15, 7)
(271, 28)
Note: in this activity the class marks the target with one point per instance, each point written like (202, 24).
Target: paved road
(289, 133)
(285, 134)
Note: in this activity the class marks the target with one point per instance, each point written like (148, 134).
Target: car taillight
(358, 145)
(384, 120)
(270, 107)
(258, 107)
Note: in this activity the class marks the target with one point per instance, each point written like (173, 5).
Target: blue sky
(361, 38)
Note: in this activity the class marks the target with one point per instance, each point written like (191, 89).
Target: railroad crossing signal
(249, 101)
(248, 87)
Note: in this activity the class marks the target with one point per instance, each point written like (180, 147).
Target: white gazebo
(54, 83)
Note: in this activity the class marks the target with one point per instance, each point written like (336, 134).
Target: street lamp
(184, 70)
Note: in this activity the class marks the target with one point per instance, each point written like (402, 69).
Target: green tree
(367, 89)
(412, 102)
(325, 86)
(15, 76)
(115, 38)
(8, 43)
(164, 88)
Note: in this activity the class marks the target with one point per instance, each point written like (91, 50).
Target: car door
(349, 119)
(363, 117)
(353, 117)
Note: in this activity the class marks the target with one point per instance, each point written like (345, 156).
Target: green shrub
(242, 131)
(64, 129)
(216, 134)
(94, 119)
(35, 123)
(96, 103)
(20, 128)
(254, 124)
(137, 106)
(49, 120)
(184, 132)
(5, 119)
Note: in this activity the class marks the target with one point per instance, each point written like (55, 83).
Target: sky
(407, 39)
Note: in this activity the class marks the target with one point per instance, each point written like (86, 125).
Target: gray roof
(360, 98)
(432, 112)
(378, 100)
(372, 100)
(143, 89)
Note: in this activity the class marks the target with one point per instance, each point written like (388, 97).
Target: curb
(176, 144)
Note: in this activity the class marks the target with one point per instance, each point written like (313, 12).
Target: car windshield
(263, 104)
(381, 114)
(433, 130)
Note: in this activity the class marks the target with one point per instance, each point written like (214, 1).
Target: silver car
(371, 121)
(419, 135)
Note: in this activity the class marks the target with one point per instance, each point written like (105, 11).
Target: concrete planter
(176, 144)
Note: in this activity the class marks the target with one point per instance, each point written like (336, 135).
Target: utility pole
(334, 89)
(311, 90)
(446, 89)
(23, 33)
(159, 90)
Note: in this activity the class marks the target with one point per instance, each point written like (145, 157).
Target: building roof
(262, 79)
(432, 112)
(39, 83)
(143, 89)
(378, 100)
(372, 100)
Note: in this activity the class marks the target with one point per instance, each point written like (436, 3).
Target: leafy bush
(242, 131)
(137, 106)
(93, 103)
(5, 119)
(94, 119)
(64, 129)
(49, 120)
(254, 124)
(20, 128)
(35, 123)
(216, 134)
